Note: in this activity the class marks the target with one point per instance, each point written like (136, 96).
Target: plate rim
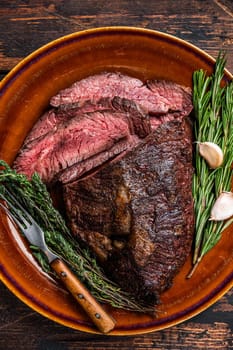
(5, 83)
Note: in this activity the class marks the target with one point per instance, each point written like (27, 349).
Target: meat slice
(54, 116)
(99, 159)
(80, 133)
(155, 97)
(136, 212)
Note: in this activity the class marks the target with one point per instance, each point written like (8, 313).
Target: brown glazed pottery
(24, 95)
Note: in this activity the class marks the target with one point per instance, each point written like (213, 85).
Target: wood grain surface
(27, 25)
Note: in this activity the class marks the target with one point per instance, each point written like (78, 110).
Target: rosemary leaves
(213, 109)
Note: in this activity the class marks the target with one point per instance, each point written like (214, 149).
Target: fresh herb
(34, 197)
(213, 109)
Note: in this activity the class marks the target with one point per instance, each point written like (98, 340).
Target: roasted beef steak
(78, 133)
(121, 151)
(91, 118)
(137, 212)
(156, 97)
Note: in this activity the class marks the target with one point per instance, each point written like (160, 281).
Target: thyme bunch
(213, 109)
(35, 198)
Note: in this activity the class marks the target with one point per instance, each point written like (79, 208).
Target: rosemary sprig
(213, 109)
(34, 197)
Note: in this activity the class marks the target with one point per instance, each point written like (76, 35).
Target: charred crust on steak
(156, 177)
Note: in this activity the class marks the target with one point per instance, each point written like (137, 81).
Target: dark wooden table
(25, 26)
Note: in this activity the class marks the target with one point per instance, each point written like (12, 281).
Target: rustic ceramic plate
(25, 93)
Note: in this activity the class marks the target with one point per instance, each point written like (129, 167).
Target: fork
(35, 235)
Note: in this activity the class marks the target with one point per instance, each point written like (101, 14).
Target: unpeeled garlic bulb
(223, 207)
(212, 153)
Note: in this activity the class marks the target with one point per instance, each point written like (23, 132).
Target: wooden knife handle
(100, 318)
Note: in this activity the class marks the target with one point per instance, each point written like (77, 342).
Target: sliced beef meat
(78, 135)
(144, 201)
(54, 116)
(99, 159)
(155, 97)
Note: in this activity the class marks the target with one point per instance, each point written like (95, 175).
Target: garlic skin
(223, 207)
(212, 153)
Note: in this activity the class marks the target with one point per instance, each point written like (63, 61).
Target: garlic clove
(223, 207)
(212, 153)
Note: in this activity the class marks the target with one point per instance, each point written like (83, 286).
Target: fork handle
(104, 322)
